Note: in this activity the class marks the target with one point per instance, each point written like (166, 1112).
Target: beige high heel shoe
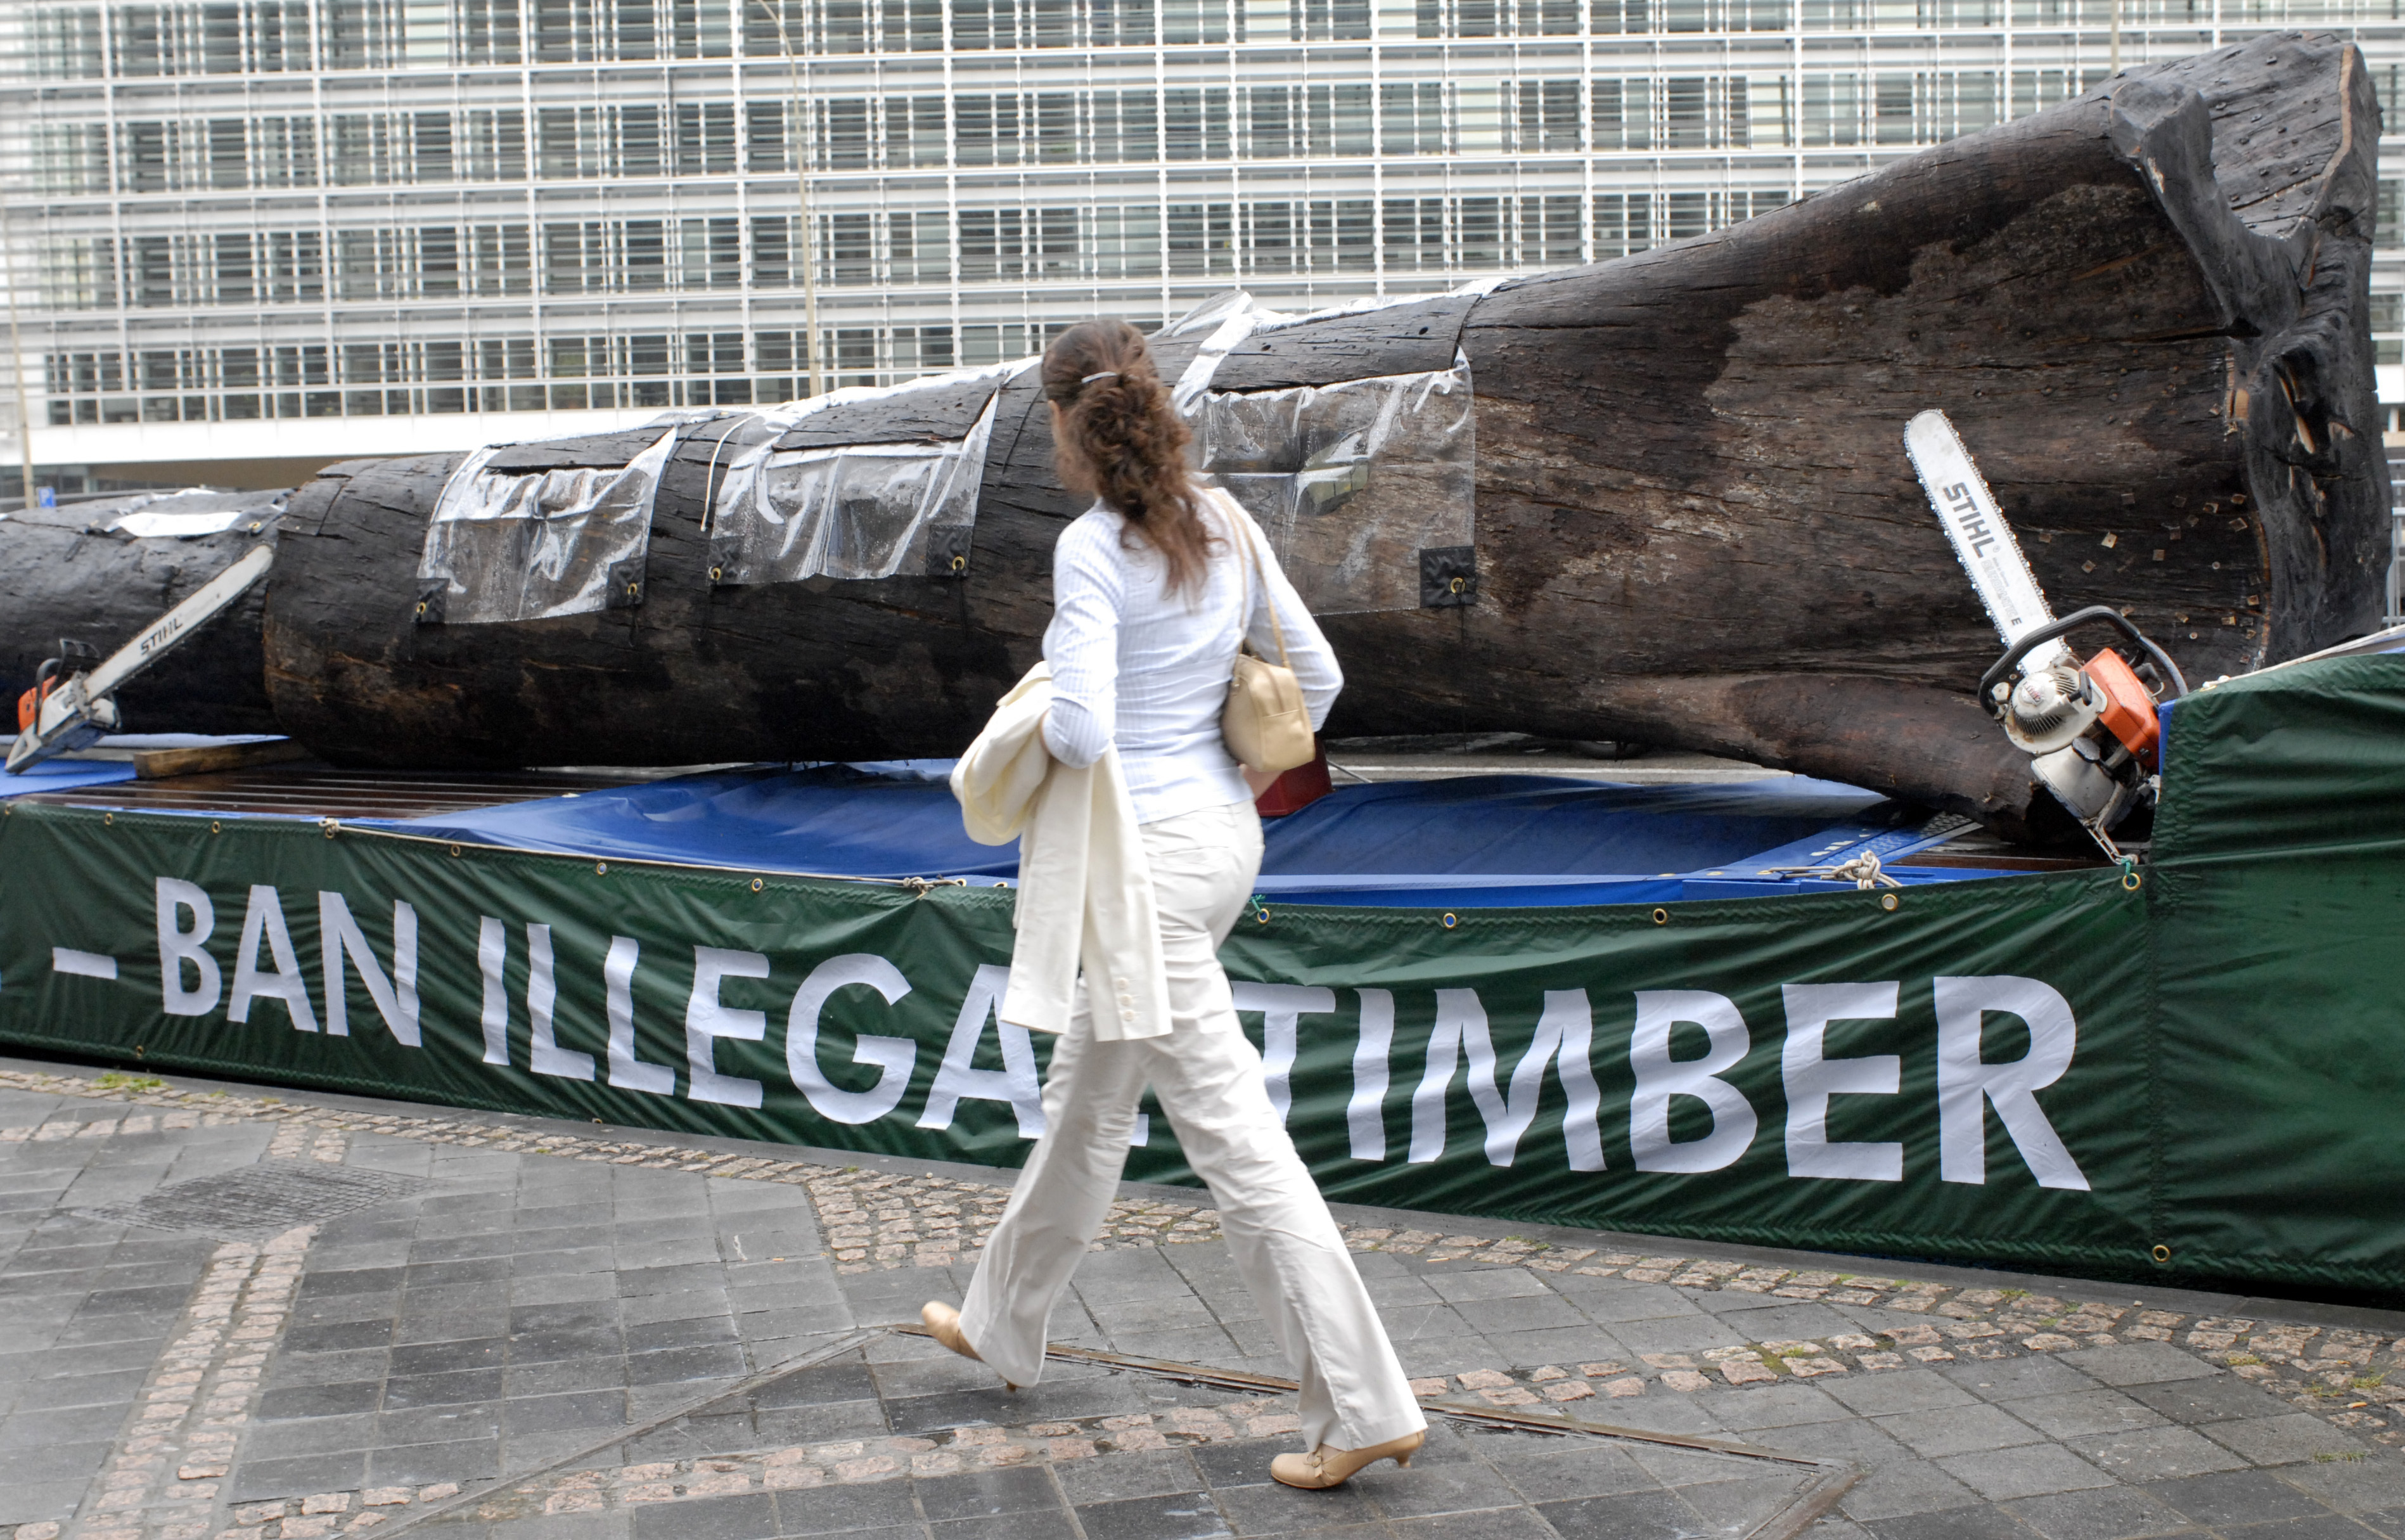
(943, 1323)
(1327, 1467)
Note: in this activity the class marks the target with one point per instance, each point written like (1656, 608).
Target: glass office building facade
(279, 224)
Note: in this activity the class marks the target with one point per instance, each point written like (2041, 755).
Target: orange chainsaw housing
(29, 705)
(2129, 711)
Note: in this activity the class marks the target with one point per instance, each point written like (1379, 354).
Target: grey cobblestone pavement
(539, 1331)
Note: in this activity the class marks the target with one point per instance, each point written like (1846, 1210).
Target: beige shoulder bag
(1265, 722)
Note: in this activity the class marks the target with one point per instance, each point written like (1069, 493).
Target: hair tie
(1106, 374)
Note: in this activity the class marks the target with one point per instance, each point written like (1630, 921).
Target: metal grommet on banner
(2161, 1253)
(1450, 920)
(454, 850)
(1890, 903)
(1661, 916)
(601, 868)
(331, 825)
(1260, 911)
(2130, 881)
(757, 884)
(108, 817)
(959, 564)
(213, 825)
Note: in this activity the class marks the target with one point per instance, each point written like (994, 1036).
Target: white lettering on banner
(705, 1021)
(1014, 1083)
(263, 919)
(1564, 1033)
(893, 1056)
(1966, 1085)
(1811, 1078)
(179, 946)
(1365, 1115)
(396, 998)
(82, 965)
(545, 1056)
(1282, 1007)
(492, 956)
(627, 1072)
(1660, 1078)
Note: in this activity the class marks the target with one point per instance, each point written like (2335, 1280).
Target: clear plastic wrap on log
(2145, 310)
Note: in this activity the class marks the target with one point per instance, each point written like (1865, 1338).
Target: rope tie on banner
(920, 886)
(1863, 871)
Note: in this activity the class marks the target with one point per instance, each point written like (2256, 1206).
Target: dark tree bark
(2146, 311)
(61, 576)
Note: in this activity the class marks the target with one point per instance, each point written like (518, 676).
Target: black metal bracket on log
(625, 588)
(947, 551)
(1448, 576)
(433, 595)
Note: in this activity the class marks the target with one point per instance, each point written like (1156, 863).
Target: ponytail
(1120, 440)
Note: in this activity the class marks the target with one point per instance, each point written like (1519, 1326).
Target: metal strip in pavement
(849, 1342)
(1834, 1478)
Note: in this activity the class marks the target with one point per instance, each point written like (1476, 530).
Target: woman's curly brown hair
(1119, 439)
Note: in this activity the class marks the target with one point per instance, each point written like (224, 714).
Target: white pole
(801, 141)
(17, 359)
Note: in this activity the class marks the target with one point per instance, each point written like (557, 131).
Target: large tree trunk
(65, 575)
(1696, 526)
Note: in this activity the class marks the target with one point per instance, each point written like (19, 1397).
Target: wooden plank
(161, 764)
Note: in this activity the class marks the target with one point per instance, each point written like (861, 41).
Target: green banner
(1960, 1072)
(2278, 886)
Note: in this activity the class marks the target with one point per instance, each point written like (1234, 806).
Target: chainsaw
(73, 702)
(2089, 727)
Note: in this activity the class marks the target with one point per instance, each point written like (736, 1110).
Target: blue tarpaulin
(65, 775)
(1474, 841)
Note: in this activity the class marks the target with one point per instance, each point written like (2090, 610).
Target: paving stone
(2031, 1471)
(2235, 1498)
(2201, 1401)
(1910, 1390)
(2154, 1454)
(1959, 1430)
(2117, 1512)
(2282, 1440)
(2139, 1363)
(2351, 1485)
(2071, 1413)
(1852, 1441)
(2016, 1379)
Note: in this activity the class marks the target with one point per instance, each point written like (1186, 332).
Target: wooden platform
(317, 790)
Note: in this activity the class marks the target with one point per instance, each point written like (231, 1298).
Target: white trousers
(1207, 1077)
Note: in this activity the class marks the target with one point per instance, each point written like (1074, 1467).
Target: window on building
(1548, 116)
(843, 134)
(1201, 239)
(1056, 127)
(1194, 123)
(763, 137)
(1412, 118)
(1339, 121)
(705, 137)
(1623, 114)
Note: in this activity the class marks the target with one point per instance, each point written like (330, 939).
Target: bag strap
(1235, 515)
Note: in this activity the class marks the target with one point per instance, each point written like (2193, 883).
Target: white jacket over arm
(1085, 886)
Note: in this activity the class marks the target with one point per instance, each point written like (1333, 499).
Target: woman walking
(1154, 588)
